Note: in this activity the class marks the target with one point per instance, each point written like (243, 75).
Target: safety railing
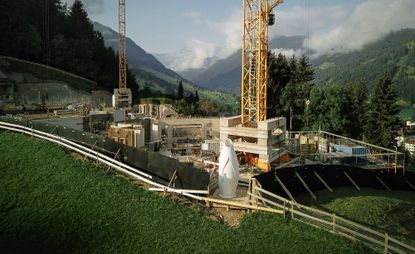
(331, 222)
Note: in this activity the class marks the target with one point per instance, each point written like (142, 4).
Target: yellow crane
(122, 95)
(257, 16)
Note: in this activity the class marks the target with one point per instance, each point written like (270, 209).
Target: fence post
(334, 222)
(292, 209)
(254, 191)
(284, 209)
(386, 243)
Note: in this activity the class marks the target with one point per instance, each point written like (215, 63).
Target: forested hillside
(394, 55)
(59, 36)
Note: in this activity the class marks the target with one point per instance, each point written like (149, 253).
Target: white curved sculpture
(228, 171)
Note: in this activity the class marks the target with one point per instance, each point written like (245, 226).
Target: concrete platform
(264, 141)
(241, 195)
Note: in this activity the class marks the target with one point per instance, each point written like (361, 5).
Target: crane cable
(310, 28)
(46, 32)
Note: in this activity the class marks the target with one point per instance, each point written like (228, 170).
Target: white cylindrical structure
(228, 171)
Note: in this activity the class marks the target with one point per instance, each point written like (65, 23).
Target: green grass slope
(390, 212)
(51, 203)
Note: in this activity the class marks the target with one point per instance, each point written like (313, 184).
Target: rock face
(228, 171)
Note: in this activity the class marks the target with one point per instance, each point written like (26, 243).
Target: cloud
(301, 20)
(194, 55)
(200, 54)
(369, 22)
(289, 52)
(231, 29)
(193, 14)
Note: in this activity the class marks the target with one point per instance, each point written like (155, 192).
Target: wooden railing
(331, 222)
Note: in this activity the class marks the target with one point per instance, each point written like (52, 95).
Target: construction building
(265, 142)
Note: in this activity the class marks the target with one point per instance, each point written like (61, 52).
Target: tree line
(63, 37)
(345, 109)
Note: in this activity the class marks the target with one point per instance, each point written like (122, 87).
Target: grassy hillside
(71, 206)
(168, 85)
(394, 54)
(391, 212)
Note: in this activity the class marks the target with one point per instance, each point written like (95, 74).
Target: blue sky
(192, 30)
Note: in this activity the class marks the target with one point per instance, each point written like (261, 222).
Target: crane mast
(257, 17)
(122, 47)
(122, 95)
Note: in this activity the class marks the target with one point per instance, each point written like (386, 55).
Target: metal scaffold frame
(122, 95)
(255, 60)
(122, 44)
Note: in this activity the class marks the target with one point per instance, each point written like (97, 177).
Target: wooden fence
(331, 222)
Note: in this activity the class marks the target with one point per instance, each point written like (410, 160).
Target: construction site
(246, 161)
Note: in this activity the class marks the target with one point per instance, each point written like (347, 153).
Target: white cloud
(231, 29)
(289, 52)
(198, 53)
(301, 20)
(369, 22)
(194, 55)
(193, 14)
(338, 27)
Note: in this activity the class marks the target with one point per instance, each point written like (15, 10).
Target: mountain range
(150, 72)
(225, 74)
(139, 61)
(393, 54)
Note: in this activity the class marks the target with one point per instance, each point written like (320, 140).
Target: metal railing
(331, 222)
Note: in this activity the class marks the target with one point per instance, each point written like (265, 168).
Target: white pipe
(103, 161)
(181, 190)
(81, 147)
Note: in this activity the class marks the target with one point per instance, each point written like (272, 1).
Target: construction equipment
(122, 95)
(257, 17)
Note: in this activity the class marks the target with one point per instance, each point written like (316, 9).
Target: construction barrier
(165, 170)
(317, 177)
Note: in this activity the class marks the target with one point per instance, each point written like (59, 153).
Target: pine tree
(314, 113)
(279, 76)
(382, 122)
(305, 70)
(326, 109)
(358, 97)
(197, 97)
(80, 23)
(294, 70)
(180, 91)
(297, 92)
